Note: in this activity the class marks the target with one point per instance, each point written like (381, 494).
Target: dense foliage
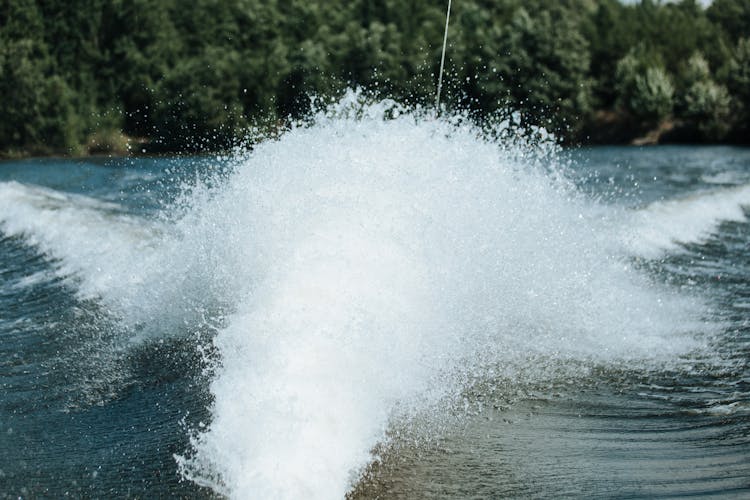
(79, 75)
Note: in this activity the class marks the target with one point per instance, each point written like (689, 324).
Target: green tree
(738, 81)
(705, 103)
(644, 89)
(611, 37)
(654, 95)
(198, 102)
(140, 44)
(197, 73)
(733, 16)
(38, 114)
(540, 64)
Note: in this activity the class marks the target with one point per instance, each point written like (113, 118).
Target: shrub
(738, 79)
(644, 91)
(708, 104)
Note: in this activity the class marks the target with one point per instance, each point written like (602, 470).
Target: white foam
(662, 226)
(727, 177)
(392, 261)
(86, 234)
(139, 270)
(373, 268)
(33, 279)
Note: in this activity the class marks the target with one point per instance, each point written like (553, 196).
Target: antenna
(442, 61)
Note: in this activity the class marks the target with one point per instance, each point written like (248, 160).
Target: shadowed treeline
(82, 76)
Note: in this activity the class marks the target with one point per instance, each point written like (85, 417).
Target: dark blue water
(99, 390)
(78, 420)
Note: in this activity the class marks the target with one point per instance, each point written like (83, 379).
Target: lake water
(393, 309)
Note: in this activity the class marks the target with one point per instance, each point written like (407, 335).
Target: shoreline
(606, 129)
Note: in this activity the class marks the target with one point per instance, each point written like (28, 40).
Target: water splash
(364, 267)
(389, 263)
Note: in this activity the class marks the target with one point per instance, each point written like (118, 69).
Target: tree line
(83, 75)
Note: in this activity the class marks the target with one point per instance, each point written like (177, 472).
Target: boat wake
(663, 226)
(367, 270)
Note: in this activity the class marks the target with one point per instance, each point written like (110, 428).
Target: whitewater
(365, 274)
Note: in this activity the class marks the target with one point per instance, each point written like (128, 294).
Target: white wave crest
(662, 226)
(372, 268)
(388, 262)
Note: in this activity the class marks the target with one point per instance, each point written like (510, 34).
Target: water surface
(386, 308)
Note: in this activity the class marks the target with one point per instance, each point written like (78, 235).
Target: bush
(738, 79)
(705, 104)
(644, 91)
(696, 70)
(654, 95)
(38, 114)
(708, 104)
(108, 141)
(197, 103)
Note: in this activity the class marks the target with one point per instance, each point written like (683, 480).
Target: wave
(364, 270)
(142, 271)
(84, 234)
(101, 251)
(664, 226)
(391, 265)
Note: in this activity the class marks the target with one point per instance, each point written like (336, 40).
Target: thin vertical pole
(442, 60)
